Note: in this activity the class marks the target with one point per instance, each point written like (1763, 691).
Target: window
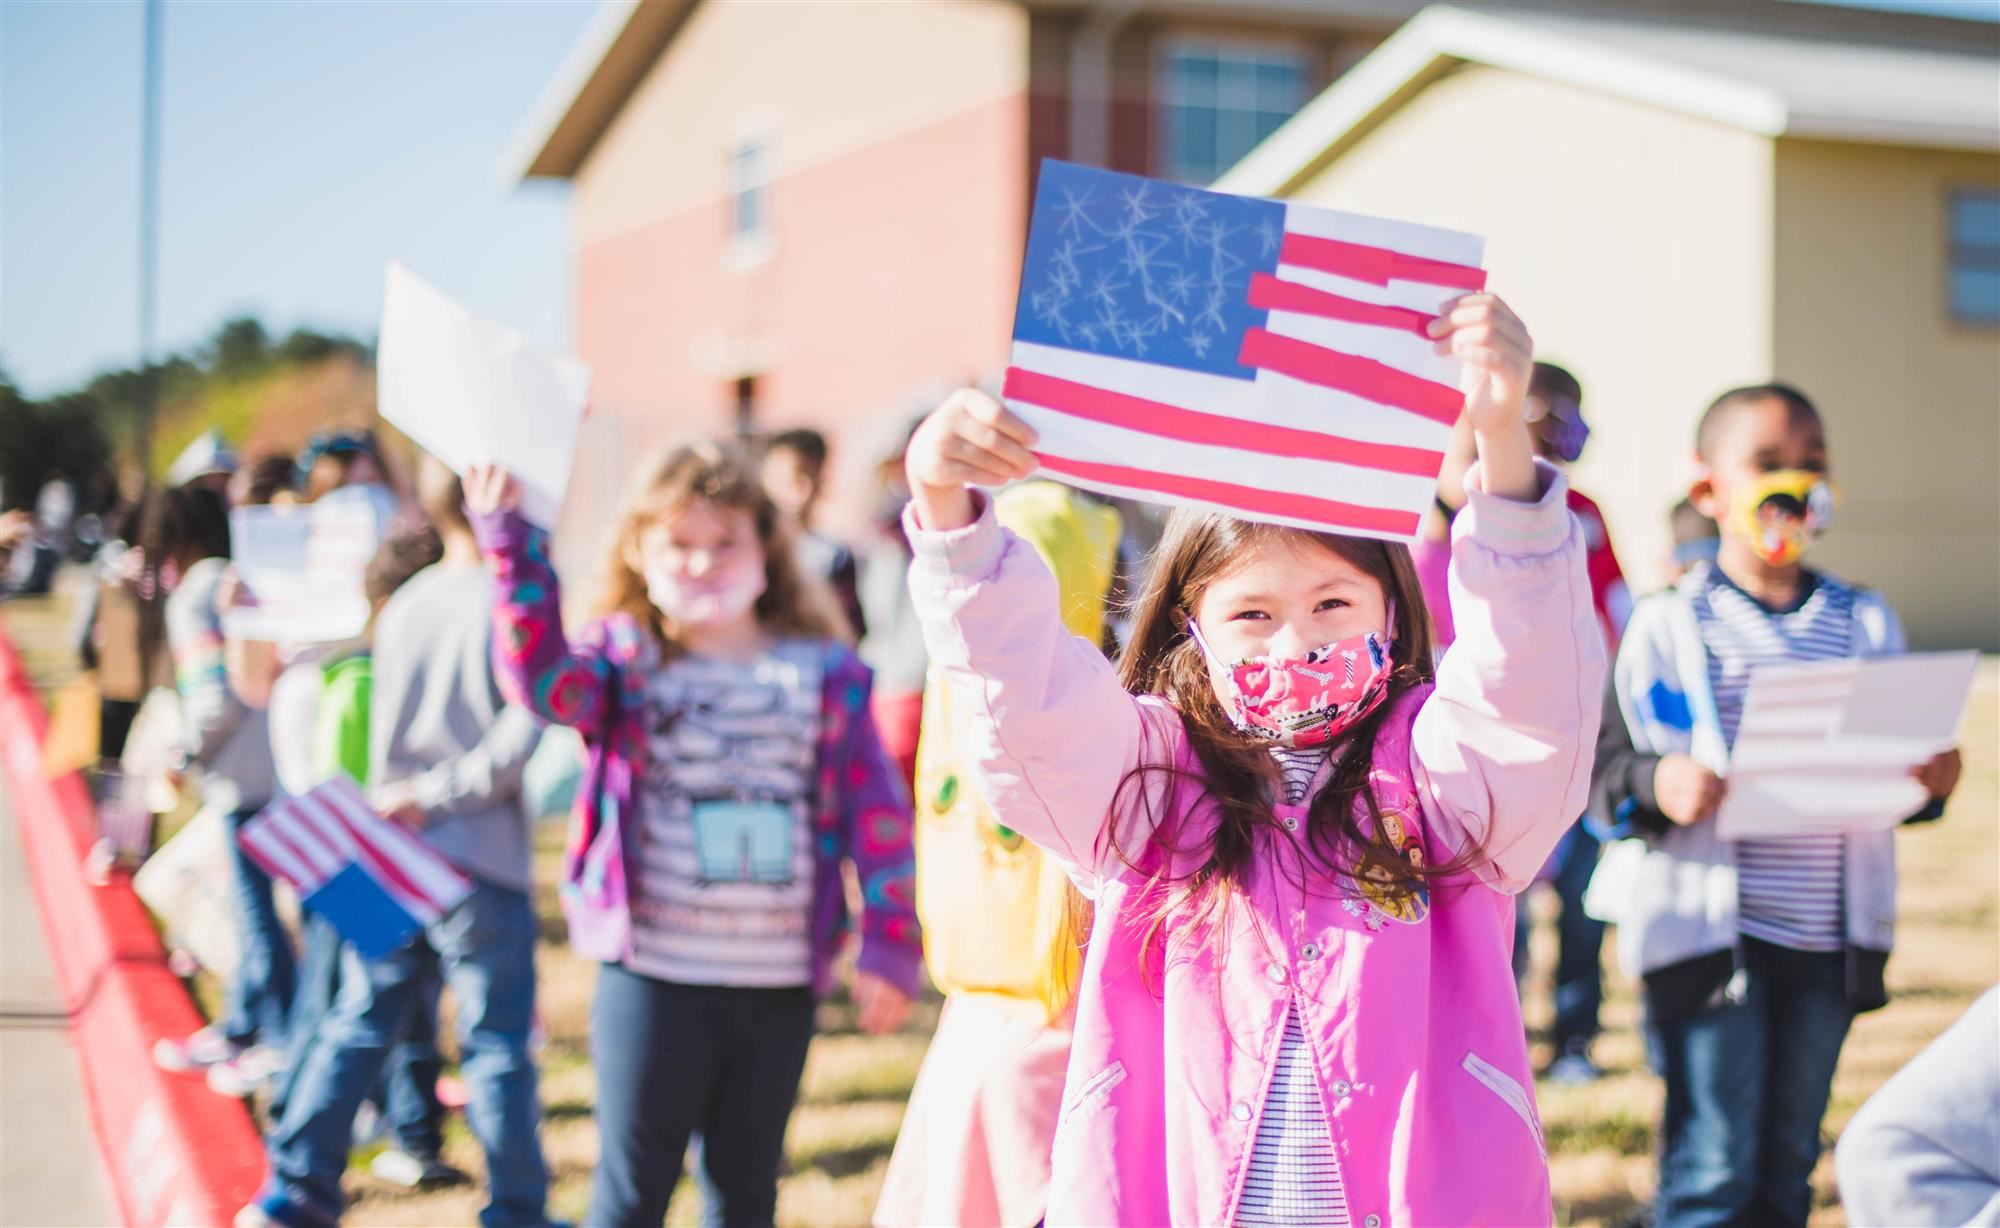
(1972, 272)
(746, 405)
(749, 191)
(1219, 99)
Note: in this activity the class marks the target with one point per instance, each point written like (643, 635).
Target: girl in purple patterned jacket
(732, 768)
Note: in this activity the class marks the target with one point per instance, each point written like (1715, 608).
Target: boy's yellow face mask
(1779, 512)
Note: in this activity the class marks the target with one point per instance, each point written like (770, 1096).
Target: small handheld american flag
(1262, 357)
(378, 884)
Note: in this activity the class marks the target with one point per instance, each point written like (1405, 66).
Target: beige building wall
(817, 80)
(1635, 243)
(1911, 398)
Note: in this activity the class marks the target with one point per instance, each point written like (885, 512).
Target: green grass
(1601, 1137)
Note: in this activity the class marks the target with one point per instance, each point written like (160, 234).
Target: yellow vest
(991, 905)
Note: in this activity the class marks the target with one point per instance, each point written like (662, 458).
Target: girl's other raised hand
(970, 440)
(489, 489)
(1499, 358)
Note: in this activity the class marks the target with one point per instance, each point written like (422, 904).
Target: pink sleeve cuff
(1505, 526)
(962, 556)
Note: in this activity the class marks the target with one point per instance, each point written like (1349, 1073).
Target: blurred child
(1925, 1149)
(1001, 935)
(894, 645)
(446, 752)
(1560, 434)
(319, 715)
(1696, 539)
(1756, 954)
(793, 470)
(732, 771)
(1295, 1005)
(226, 751)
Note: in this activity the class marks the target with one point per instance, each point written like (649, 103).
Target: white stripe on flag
(321, 803)
(1398, 349)
(1426, 241)
(1269, 398)
(1081, 439)
(267, 851)
(441, 885)
(1416, 295)
(332, 841)
(296, 832)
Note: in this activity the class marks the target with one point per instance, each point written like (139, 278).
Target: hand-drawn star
(1074, 212)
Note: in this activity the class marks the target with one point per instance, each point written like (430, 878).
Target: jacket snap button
(1373, 1221)
(1341, 1087)
(1277, 974)
(1309, 951)
(1291, 824)
(1240, 1111)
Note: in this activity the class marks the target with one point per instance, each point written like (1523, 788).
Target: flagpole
(149, 233)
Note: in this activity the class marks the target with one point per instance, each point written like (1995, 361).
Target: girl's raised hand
(489, 489)
(1499, 358)
(970, 440)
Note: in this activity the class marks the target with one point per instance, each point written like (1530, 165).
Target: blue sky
(307, 142)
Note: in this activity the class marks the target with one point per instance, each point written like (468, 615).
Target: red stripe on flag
(1273, 294)
(298, 830)
(1380, 265)
(285, 830)
(1363, 377)
(384, 868)
(1250, 500)
(418, 860)
(1189, 426)
(247, 841)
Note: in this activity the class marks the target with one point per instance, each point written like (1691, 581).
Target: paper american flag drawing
(378, 884)
(1262, 357)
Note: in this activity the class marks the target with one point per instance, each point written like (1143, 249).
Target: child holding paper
(319, 728)
(226, 749)
(732, 773)
(1756, 954)
(1302, 838)
(446, 753)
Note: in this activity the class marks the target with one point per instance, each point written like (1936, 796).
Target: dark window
(1219, 99)
(1972, 273)
(749, 190)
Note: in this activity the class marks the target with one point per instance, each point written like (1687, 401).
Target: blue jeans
(1579, 942)
(257, 1003)
(674, 1061)
(487, 951)
(1747, 1083)
(406, 1093)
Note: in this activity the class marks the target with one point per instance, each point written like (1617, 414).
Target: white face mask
(723, 594)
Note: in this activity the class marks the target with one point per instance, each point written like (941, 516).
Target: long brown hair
(792, 604)
(1237, 773)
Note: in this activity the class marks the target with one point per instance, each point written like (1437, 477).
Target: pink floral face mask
(1310, 700)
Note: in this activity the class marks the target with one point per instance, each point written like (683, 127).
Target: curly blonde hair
(793, 604)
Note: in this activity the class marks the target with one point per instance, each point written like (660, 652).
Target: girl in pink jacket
(1296, 1004)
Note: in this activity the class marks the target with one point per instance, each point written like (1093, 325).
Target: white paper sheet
(1829, 746)
(471, 391)
(304, 567)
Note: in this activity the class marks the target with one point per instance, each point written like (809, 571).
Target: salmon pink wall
(892, 266)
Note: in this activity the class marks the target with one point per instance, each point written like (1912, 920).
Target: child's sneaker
(197, 1052)
(1574, 1067)
(245, 1073)
(412, 1173)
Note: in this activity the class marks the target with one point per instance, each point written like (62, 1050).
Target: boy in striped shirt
(1756, 954)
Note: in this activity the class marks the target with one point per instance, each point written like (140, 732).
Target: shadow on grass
(566, 1111)
(839, 1162)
